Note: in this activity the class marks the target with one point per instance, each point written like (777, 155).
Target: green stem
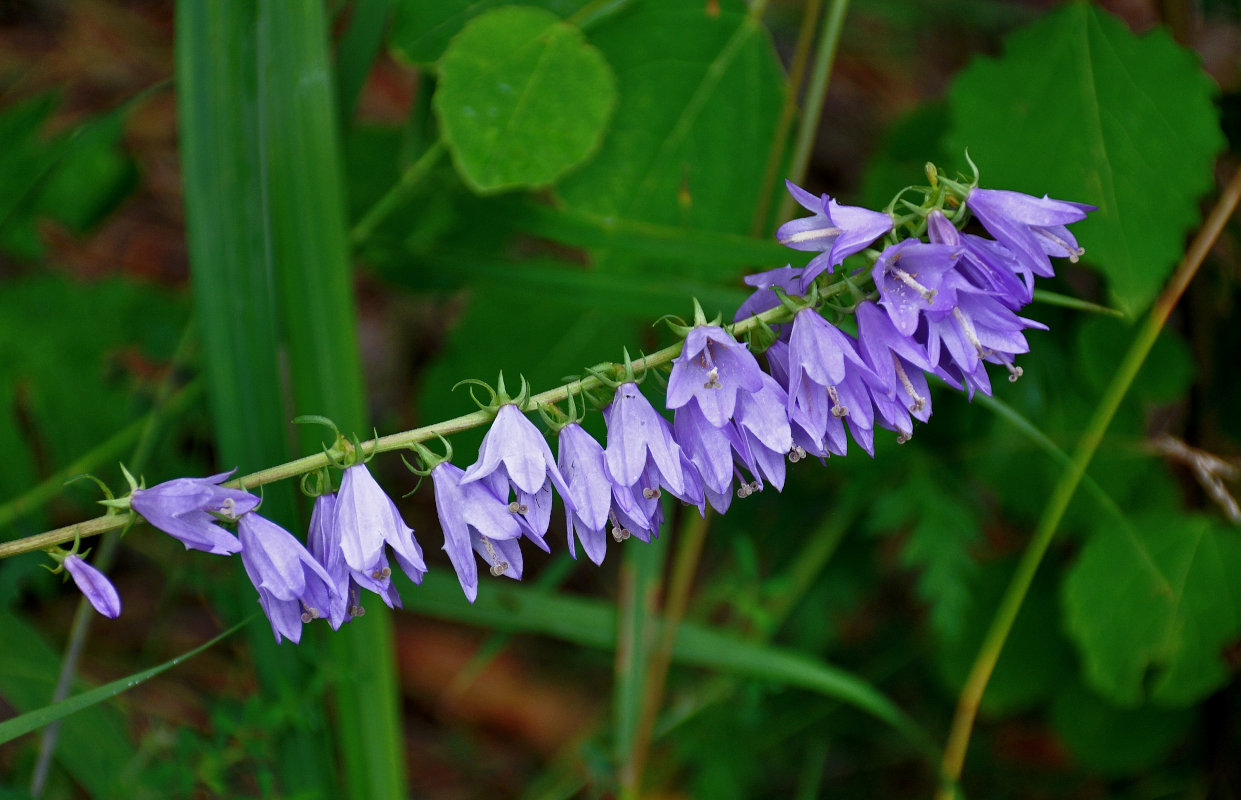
(392, 200)
(816, 93)
(984, 664)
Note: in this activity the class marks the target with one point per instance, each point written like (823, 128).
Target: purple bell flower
(804, 441)
(94, 585)
(187, 509)
(323, 542)
(914, 277)
(986, 264)
(1030, 227)
(899, 364)
(827, 384)
(980, 329)
(640, 445)
(710, 449)
(764, 297)
(474, 517)
(515, 454)
(836, 231)
(581, 462)
(763, 424)
(366, 519)
(712, 369)
(293, 587)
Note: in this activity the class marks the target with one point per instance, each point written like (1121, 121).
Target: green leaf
(522, 98)
(421, 29)
(1154, 607)
(700, 99)
(1112, 740)
(1080, 108)
(33, 720)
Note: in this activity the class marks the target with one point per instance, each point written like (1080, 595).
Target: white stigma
(838, 410)
(909, 280)
(713, 379)
(919, 402)
(498, 567)
(650, 494)
(811, 235)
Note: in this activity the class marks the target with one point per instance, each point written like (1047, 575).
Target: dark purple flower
(640, 445)
(980, 329)
(94, 585)
(293, 587)
(836, 231)
(764, 297)
(324, 543)
(712, 369)
(827, 384)
(474, 517)
(914, 277)
(986, 264)
(366, 519)
(188, 508)
(515, 454)
(1030, 227)
(899, 364)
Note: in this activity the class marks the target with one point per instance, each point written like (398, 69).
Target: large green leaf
(1080, 108)
(1154, 607)
(521, 99)
(700, 97)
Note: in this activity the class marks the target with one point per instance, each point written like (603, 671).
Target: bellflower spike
(515, 454)
(94, 585)
(640, 445)
(187, 509)
(473, 517)
(323, 542)
(712, 369)
(836, 231)
(1030, 227)
(366, 519)
(293, 587)
(914, 277)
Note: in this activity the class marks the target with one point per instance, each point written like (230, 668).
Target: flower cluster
(853, 338)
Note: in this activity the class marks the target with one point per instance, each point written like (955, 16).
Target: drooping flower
(640, 445)
(581, 462)
(710, 449)
(804, 441)
(366, 519)
(293, 587)
(836, 231)
(899, 364)
(1031, 228)
(979, 330)
(515, 454)
(827, 384)
(94, 586)
(764, 297)
(915, 277)
(712, 369)
(986, 264)
(188, 508)
(324, 543)
(763, 424)
(474, 517)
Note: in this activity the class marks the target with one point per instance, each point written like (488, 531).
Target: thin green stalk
(816, 93)
(689, 549)
(1006, 613)
(393, 198)
(105, 554)
(779, 139)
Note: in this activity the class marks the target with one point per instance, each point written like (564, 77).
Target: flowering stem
(816, 93)
(984, 664)
(396, 441)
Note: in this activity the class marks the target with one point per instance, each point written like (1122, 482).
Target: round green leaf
(522, 98)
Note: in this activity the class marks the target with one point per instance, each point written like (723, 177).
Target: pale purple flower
(710, 449)
(640, 445)
(366, 519)
(324, 543)
(1030, 227)
(293, 587)
(914, 277)
(836, 231)
(827, 384)
(711, 370)
(515, 454)
(763, 424)
(581, 462)
(474, 517)
(764, 297)
(986, 264)
(188, 508)
(979, 330)
(94, 585)
(804, 441)
(899, 364)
